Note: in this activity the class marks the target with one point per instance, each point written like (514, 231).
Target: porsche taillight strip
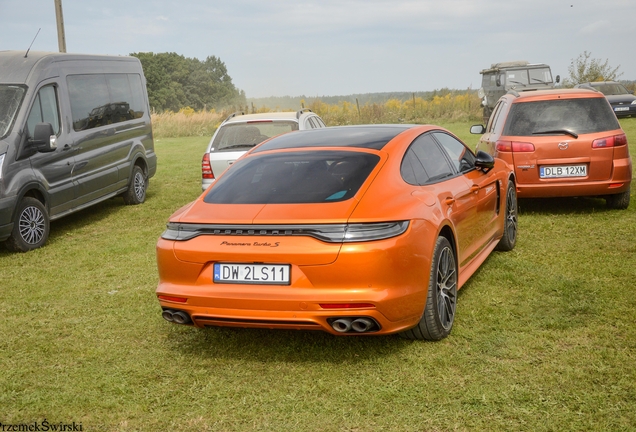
(331, 233)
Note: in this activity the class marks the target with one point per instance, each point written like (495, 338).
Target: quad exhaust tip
(354, 324)
(176, 316)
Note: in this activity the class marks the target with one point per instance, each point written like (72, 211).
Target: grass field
(544, 338)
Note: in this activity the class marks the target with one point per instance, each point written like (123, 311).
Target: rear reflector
(346, 305)
(206, 168)
(172, 299)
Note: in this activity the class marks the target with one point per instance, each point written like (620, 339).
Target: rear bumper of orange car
(383, 281)
(619, 182)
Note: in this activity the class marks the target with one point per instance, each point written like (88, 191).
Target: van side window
(103, 99)
(44, 110)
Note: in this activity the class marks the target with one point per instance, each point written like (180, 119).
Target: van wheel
(136, 193)
(618, 201)
(439, 312)
(30, 227)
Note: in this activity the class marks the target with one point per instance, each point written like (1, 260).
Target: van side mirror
(557, 79)
(484, 161)
(44, 138)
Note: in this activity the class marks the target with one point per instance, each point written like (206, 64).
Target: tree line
(176, 82)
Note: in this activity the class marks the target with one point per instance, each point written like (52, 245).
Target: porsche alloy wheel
(509, 238)
(439, 312)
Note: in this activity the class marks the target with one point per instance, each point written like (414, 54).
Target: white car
(240, 132)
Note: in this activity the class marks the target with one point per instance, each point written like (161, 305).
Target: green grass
(544, 338)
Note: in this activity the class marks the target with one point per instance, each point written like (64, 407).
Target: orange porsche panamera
(353, 230)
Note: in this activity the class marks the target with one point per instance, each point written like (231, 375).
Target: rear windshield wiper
(236, 146)
(557, 131)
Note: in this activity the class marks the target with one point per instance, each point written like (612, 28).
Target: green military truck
(515, 75)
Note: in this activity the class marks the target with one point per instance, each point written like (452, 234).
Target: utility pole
(61, 39)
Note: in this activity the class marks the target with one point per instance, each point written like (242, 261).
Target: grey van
(74, 130)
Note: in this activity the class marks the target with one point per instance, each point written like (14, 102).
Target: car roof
(553, 94)
(19, 67)
(364, 136)
(593, 83)
(287, 115)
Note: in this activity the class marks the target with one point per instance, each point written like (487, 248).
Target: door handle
(474, 189)
(449, 201)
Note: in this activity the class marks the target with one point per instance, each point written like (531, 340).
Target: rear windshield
(233, 136)
(611, 89)
(294, 177)
(10, 100)
(585, 115)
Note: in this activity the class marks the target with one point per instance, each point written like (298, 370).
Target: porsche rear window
(294, 177)
(581, 116)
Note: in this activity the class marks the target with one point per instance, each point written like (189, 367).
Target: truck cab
(516, 75)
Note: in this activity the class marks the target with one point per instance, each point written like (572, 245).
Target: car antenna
(36, 35)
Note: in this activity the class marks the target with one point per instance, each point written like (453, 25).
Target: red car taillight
(514, 146)
(206, 168)
(613, 141)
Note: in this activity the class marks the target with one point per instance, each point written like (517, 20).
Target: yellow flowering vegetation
(449, 107)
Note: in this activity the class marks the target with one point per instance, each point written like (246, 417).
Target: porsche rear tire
(509, 238)
(439, 312)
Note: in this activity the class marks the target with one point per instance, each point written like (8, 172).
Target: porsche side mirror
(484, 161)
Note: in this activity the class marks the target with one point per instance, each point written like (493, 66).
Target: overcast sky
(338, 47)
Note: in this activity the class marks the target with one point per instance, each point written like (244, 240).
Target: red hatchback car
(356, 230)
(561, 143)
